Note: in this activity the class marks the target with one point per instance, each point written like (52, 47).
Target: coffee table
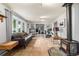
(8, 45)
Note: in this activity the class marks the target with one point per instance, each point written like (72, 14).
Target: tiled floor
(37, 47)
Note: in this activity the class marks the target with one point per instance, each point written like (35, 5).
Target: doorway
(40, 28)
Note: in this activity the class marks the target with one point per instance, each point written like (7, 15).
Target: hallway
(37, 47)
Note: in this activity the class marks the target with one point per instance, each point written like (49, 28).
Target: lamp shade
(1, 17)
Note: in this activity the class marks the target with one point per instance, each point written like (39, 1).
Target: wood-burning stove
(69, 47)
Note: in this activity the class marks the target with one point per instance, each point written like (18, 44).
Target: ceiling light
(42, 20)
(44, 16)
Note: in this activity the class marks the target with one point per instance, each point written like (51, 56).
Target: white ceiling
(38, 11)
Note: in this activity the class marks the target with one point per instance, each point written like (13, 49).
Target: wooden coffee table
(8, 45)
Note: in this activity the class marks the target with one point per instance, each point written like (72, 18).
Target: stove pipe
(69, 20)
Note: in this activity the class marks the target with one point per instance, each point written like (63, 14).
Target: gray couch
(22, 38)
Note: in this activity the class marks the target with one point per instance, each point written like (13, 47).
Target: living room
(29, 29)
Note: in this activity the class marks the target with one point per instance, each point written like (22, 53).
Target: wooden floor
(37, 47)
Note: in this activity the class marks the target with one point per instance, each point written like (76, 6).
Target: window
(19, 26)
(23, 28)
(14, 25)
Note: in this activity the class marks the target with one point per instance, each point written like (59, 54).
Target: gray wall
(75, 21)
(2, 25)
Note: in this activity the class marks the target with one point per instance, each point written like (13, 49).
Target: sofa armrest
(27, 37)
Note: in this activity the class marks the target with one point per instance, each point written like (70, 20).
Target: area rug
(56, 52)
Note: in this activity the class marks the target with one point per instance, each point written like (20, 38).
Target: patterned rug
(56, 52)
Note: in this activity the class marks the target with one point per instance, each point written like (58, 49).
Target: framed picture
(62, 23)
